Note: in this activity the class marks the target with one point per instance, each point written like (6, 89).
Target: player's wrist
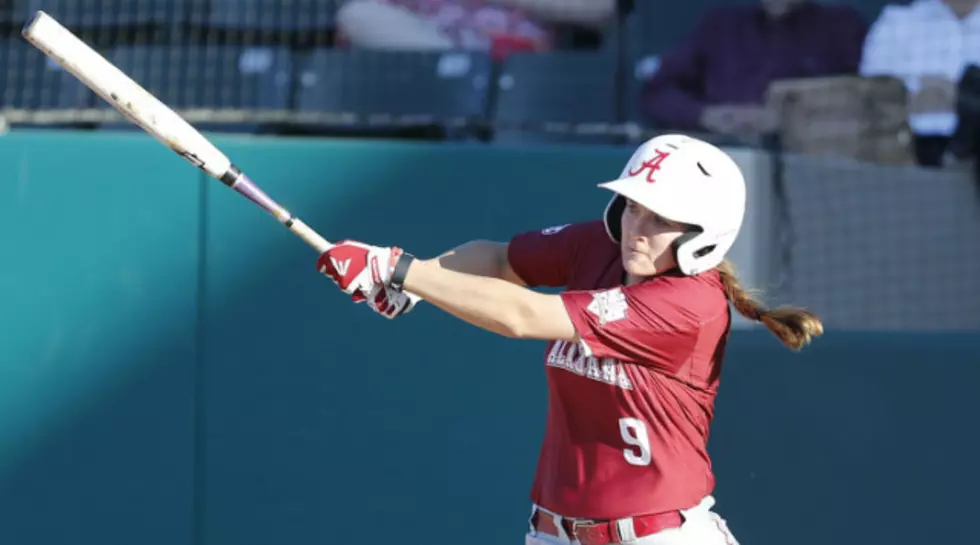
(400, 271)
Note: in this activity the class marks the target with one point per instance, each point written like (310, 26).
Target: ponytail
(795, 327)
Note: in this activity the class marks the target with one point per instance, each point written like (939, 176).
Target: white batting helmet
(688, 181)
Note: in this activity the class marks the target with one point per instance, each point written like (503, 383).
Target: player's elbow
(539, 317)
(511, 333)
(516, 322)
(518, 326)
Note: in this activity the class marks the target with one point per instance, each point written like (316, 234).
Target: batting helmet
(688, 181)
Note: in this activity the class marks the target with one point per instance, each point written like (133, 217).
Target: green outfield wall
(173, 370)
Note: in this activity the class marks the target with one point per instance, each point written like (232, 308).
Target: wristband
(401, 270)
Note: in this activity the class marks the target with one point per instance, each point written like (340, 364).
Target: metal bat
(154, 117)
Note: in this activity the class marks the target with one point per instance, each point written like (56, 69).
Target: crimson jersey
(630, 406)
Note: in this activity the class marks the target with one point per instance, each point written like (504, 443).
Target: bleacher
(271, 66)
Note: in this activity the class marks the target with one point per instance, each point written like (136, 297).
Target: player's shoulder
(697, 299)
(591, 228)
(676, 286)
(583, 233)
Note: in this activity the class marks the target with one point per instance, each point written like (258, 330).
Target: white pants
(701, 526)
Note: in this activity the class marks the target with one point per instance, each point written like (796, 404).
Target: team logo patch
(609, 306)
(553, 230)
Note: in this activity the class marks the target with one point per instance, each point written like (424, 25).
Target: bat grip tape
(231, 176)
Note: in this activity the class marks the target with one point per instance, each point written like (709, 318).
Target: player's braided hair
(794, 326)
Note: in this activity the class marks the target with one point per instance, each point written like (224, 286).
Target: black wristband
(401, 270)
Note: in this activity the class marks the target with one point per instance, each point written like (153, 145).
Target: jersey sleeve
(545, 257)
(641, 324)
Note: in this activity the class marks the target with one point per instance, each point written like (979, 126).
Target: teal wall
(173, 370)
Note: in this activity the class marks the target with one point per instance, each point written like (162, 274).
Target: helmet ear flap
(696, 253)
(613, 216)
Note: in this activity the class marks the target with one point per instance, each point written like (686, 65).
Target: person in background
(716, 80)
(928, 44)
(499, 27)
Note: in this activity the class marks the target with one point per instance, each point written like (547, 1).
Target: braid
(795, 327)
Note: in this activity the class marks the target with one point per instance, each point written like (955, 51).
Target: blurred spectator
(928, 44)
(716, 80)
(497, 26)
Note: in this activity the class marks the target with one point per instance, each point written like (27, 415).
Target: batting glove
(358, 269)
(391, 303)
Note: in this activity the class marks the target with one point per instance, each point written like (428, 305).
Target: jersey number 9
(634, 432)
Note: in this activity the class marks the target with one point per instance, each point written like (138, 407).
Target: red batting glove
(391, 303)
(358, 269)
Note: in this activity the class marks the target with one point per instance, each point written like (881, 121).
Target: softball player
(636, 345)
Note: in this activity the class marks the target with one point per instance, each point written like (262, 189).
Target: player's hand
(391, 304)
(360, 270)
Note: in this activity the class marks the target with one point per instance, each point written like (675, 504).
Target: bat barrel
(122, 93)
(154, 117)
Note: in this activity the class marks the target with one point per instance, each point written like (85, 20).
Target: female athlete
(636, 345)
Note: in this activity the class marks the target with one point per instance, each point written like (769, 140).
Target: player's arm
(481, 282)
(501, 302)
(491, 303)
(543, 258)
(481, 258)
